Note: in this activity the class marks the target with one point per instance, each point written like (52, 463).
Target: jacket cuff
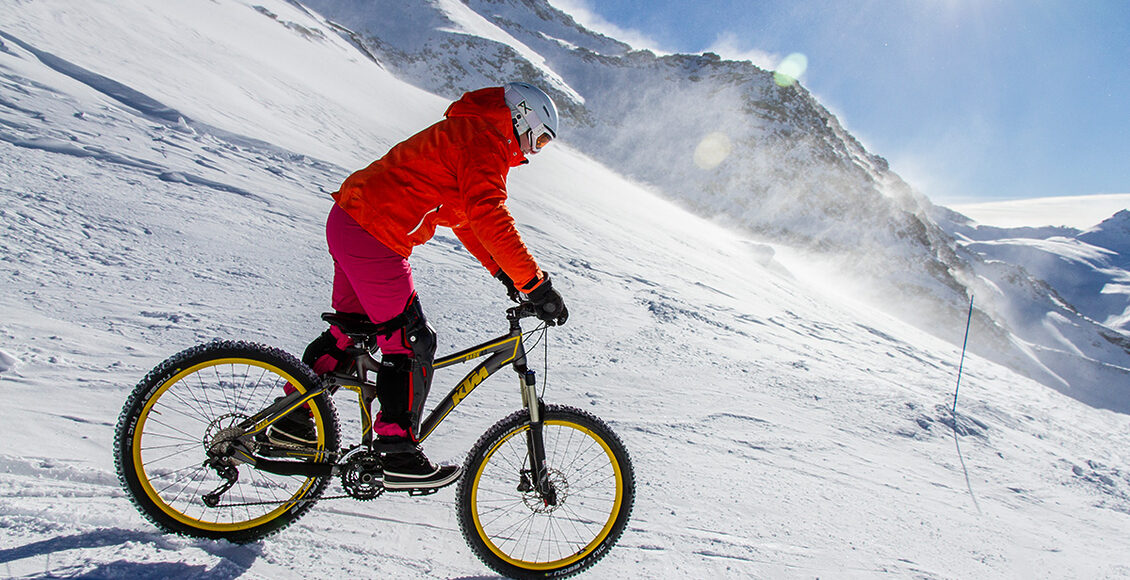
(542, 279)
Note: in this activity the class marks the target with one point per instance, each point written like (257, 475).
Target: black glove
(550, 307)
(511, 291)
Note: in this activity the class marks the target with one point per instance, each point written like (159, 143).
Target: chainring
(362, 474)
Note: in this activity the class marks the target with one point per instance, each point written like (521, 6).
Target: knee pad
(418, 334)
(409, 376)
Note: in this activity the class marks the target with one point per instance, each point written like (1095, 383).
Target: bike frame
(500, 351)
(506, 349)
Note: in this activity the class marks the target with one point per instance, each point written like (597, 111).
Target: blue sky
(970, 100)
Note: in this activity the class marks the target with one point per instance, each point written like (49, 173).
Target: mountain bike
(545, 492)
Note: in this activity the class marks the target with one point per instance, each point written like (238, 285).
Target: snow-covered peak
(1113, 234)
(467, 21)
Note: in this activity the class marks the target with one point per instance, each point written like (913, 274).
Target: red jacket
(451, 174)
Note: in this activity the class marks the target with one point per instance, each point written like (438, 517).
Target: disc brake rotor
(534, 500)
(221, 432)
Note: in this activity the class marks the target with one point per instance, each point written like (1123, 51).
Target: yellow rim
(588, 549)
(177, 514)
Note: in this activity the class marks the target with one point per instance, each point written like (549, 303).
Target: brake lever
(524, 309)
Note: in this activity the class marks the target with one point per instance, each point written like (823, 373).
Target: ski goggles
(543, 139)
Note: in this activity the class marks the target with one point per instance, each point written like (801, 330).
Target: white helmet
(534, 116)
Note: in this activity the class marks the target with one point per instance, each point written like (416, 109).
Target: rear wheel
(520, 533)
(184, 406)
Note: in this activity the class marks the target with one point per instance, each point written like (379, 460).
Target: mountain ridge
(789, 172)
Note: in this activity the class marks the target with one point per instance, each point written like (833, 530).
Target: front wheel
(522, 533)
(187, 404)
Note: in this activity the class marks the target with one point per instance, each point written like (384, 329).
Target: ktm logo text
(469, 385)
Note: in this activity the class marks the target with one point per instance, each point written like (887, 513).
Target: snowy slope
(1086, 264)
(1113, 235)
(1089, 276)
(166, 186)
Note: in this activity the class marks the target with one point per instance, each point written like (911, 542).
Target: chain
(333, 455)
(291, 446)
(280, 502)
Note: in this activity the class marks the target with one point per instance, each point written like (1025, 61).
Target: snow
(1093, 279)
(7, 362)
(1112, 234)
(777, 429)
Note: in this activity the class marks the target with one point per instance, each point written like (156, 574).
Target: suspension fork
(535, 439)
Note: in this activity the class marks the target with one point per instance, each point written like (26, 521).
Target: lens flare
(712, 150)
(790, 69)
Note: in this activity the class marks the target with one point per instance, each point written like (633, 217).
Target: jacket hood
(489, 104)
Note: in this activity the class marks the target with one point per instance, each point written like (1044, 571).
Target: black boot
(413, 470)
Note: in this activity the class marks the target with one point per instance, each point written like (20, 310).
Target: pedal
(419, 491)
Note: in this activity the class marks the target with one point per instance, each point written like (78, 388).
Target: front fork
(535, 441)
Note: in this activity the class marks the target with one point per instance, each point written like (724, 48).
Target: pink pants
(369, 278)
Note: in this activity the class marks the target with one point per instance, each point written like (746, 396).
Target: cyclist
(451, 174)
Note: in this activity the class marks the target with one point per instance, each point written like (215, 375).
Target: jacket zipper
(426, 214)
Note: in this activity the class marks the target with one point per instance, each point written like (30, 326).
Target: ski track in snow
(776, 431)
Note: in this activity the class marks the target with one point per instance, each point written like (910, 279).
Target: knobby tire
(517, 534)
(160, 439)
